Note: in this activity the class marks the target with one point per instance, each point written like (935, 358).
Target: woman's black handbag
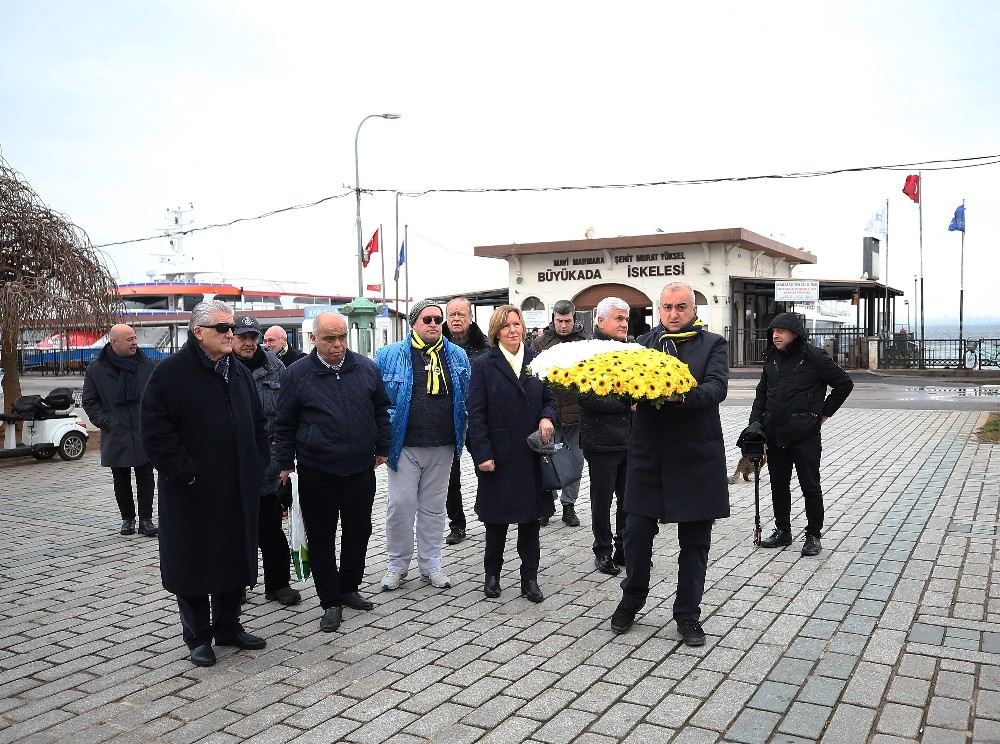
(560, 468)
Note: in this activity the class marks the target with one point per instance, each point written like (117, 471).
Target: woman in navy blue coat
(505, 407)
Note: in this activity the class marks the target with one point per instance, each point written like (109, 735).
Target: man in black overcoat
(205, 434)
(112, 388)
(461, 330)
(792, 404)
(677, 467)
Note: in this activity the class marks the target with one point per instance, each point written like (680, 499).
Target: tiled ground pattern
(891, 635)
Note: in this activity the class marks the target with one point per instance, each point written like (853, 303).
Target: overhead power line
(926, 165)
(188, 231)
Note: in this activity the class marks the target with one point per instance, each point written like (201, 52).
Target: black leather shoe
(569, 516)
(128, 527)
(619, 557)
(331, 619)
(492, 587)
(606, 566)
(285, 595)
(203, 655)
(811, 546)
(623, 618)
(243, 640)
(778, 539)
(455, 536)
(147, 528)
(691, 632)
(543, 521)
(531, 591)
(356, 602)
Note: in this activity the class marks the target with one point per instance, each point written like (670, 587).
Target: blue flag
(401, 261)
(958, 221)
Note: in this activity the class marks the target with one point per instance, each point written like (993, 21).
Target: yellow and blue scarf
(437, 384)
(668, 341)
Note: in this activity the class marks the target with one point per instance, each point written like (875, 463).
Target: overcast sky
(117, 111)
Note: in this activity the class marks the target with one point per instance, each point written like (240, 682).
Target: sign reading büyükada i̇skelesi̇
(660, 264)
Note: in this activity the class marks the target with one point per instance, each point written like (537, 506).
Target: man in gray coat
(266, 370)
(112, 388)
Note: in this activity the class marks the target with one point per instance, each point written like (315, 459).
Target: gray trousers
(418, 489)
(571, 434)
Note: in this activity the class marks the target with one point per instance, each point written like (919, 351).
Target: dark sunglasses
(221, 327)
(435, 319)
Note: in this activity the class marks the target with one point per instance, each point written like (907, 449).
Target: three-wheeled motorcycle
(49, 427)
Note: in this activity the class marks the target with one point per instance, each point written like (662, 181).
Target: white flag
(877, 223)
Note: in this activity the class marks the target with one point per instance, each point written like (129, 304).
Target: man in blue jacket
(427, 379)
(333, 425)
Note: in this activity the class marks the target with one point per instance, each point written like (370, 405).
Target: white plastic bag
(298, 543)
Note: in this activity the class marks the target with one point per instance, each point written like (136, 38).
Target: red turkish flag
(371, 248)
(374, 287)
(912, 188)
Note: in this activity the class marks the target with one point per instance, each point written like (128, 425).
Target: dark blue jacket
(503, 411)
(336, 422)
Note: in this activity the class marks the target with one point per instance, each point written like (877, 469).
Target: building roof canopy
(735, 235)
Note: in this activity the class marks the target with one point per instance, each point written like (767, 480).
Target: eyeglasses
(435, 319)
(221, 327)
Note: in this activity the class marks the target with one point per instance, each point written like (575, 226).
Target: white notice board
(799, 290)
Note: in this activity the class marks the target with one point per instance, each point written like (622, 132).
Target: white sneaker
(437, 579)
(392, 580)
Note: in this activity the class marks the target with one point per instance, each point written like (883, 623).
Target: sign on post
(799, 290)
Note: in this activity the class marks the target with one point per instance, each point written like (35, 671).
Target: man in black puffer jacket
(333, 428)
(605, 424)
(792, 404)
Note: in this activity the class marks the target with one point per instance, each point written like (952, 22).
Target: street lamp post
(357, 193)
(909, 328)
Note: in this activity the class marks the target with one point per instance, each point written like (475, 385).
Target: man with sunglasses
(333, 429)
(427, 379)
(204, 432)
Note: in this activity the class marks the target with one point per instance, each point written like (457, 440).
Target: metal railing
(847, 346)
(67, 361)
(945, 353)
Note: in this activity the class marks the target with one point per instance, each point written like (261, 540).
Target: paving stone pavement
(890, 635)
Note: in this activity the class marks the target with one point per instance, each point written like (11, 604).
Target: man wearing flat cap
(267, 370)
(427, 380)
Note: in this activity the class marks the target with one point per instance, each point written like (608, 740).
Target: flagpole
(961, 292)
(381, 240)
(406, 281)
(888, 329)
(920, 210)
(395, 296)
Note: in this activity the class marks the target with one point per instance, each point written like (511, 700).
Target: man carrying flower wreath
(677, 466)
(604, 434)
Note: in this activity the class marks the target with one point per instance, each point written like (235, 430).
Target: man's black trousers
(122, 478)
(273, 544)
(805, 457)
(528, 548)
(695, 539)
(325, 500)
(456, 514)
(607, 478)
(200, 627)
